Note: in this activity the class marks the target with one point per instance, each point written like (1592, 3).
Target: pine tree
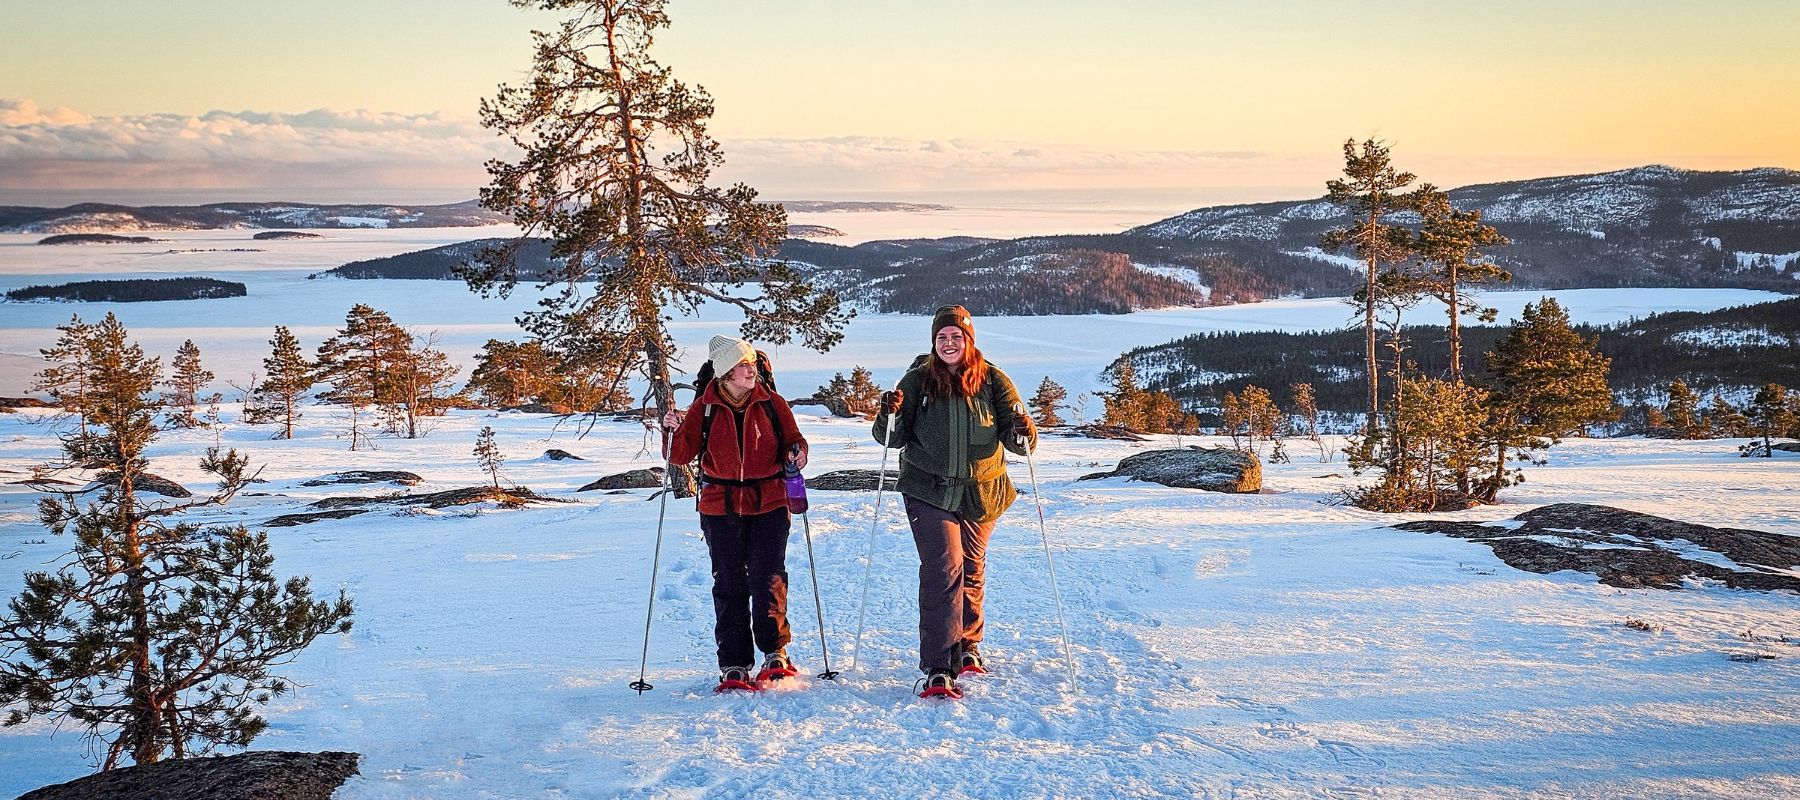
(855, 396)
(1440, 426)
(156, 634)
(65, 378)
(1548, 382)
(359, 359)
(1044, 404)
(1447, 242)
(1124, 405)
(487, 454)
(512, 373)
(1370, 188)
(420, 384)
(1683, 411)
(1772, 413)
(1723, 421)
(614, 170)
(186, 380)
(290, 377)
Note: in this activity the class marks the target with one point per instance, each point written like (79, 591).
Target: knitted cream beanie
(726, 353)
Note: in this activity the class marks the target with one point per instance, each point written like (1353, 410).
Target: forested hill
(1652, 226)
(1649, 226)
(100, 217)
(1730, 350)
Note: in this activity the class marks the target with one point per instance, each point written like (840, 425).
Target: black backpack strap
(705, 433)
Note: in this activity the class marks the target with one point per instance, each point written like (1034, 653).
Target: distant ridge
(104, 218)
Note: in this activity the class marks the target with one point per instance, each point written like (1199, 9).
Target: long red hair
(944, 381)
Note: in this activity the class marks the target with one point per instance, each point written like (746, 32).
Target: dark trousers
(749, 571)
(952, 560)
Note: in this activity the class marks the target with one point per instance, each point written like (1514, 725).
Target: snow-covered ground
(233, 333)
(1268, 645)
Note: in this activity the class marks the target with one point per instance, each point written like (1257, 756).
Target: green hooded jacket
(950, 452)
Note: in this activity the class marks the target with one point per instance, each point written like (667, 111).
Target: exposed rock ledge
(1632, 550)
(256, 775)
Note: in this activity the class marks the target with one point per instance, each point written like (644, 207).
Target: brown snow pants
(952, 560)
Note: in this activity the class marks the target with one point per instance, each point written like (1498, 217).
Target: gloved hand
(890, 401)
(1022, 431)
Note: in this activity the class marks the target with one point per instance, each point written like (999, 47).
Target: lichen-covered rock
(290, 520)
(147, 482)
(561, 455)
(1631, 550)
(850, 480)
(1216, 469)
(366, 476)
(635, 479)
(256, 775)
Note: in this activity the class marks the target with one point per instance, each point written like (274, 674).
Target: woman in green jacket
(951, 415)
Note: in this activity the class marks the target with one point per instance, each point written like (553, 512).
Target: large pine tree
(614, 168)
(1449, 243)
(1371, 189)
(155, 635)
(1548, 382)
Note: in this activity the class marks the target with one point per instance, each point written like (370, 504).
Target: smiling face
(950, 344)
(740, 379)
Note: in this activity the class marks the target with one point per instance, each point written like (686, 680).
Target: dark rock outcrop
(850, 480)
(513, 496)
(635, 479)
(1786, 447)
(147, 482)
(256, 775)
(366, 476)
(290, 520)
(561, 455)
(1631, 550)
(1217, 469)
(1098, 431)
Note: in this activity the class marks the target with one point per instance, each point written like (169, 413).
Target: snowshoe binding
(969, 661)
(940, 683)
(735, 679)
(776, 667)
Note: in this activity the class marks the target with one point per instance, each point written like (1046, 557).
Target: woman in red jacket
(743, 433)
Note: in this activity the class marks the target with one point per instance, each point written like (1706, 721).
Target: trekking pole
(1043, 533)
(869, 566)
(655, 561)
(812, 568)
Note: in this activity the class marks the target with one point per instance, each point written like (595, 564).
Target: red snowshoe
(970, 663)
(941, 683)
(776, 667)
(735, 679)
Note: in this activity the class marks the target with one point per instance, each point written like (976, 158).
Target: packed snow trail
(1268, 645)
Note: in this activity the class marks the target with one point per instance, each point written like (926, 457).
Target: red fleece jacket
(757, 462)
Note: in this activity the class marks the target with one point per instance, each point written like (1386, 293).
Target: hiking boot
(735, 678)
(940, 683)
(776, 667)
(969, 661)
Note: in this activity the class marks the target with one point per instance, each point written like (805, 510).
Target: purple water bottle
(796, 488)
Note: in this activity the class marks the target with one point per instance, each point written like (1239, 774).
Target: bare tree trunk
(1456, 371)
(1369, 349)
